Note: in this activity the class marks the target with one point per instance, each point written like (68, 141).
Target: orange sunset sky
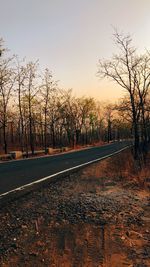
(69, 36)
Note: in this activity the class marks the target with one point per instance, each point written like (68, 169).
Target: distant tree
(54, 113)
(32, 88)
(87, 115)
(7, 79)
(68, 115)
(48, 92)
(20, 88)
(109, 108)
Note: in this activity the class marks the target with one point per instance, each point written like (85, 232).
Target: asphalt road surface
(22, 172)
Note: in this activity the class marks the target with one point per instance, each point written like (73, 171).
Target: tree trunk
(31, 135)
(4, 137)
(53, 136)
(45, 132)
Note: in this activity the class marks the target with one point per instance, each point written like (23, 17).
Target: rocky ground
(96, 217)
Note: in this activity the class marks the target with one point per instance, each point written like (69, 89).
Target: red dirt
(97, 217)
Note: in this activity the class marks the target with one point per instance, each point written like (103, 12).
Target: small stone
(13, 245)
(35, 254)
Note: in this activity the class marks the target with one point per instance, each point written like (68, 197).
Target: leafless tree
(35, 113)
(129, 70)
(20, 87)
(7, 79)
(48, 93)
(32, 88)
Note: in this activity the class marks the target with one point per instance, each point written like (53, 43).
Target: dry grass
(124, 167)
(62, 224)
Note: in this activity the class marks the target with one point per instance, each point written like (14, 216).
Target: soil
(96, 217)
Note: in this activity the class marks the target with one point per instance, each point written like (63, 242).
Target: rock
(34, 254)
(16, 154)
(13, 245)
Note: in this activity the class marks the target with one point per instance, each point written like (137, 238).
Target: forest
(35, 113)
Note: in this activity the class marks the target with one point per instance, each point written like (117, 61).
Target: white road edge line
(61, 172)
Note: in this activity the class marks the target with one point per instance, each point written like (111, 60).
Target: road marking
(61, 172)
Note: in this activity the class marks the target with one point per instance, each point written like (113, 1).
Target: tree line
(131, 71)
(36, 113)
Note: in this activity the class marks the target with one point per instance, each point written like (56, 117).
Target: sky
(70, 36)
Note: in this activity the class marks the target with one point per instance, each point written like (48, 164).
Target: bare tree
(124, 69)
(109, 108)
(142, 78)
(21, 77)
(32, 88)
(48, 92)
(7, 79)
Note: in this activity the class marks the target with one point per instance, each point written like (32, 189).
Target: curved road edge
(25, 189)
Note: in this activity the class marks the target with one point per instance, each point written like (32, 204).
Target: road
(22, 172)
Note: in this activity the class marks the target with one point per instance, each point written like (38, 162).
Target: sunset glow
(69, 37)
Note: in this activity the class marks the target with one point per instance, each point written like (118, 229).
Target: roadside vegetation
(131, 71)
(98, 216)
(35, 113)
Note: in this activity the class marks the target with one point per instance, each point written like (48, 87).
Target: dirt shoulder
(98, 216)
(40, 153)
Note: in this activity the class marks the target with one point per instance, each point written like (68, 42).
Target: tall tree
(21, 77)
(125, 69)
(48, 93)
(32, 88)
(7, 79)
